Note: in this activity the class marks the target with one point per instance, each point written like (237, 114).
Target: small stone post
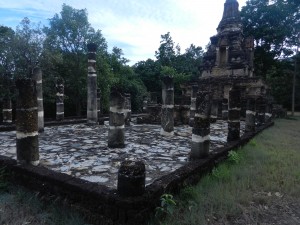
(116, 132)
(167, 108)
(60, 114)
(225, 109)
(131, 178)
(27, 122)
(38, 77)
(201, 128)
(193, 104)
(234, 110)
(127, 109)
(250, 115)
(261, 109)
(7, 110)
(92, 114)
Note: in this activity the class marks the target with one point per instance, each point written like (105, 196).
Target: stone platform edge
(102, 205)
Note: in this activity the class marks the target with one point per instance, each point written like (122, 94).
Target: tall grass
(19, 206)
(267, 165)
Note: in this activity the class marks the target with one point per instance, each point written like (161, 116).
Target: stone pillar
(145, 104)
(116, 132)
(268, 114)
(92, 85)
(7, 110)
(60, 100)
(214, 109)
(193, 104)
(131, 178)
(225, 109)
(201, 128)
(217, 56)
(27, 122)
(234, 114)
(38, 77)
(99, 115)
(227, 55)
(127, 109)
(250, 115)
(167, 108)
(261, 109)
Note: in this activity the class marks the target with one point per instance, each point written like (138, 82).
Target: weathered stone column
(99, 113)
(60, 114)
(38, 77)
(7, 110)
(145, 103)
(217, 56)
(227, 55)
(261, 109)
(225, 109)
(92, 85)
(116, 132)
(214, 109)
(131, 178)
(127, 109)
(193, 104)
(201, 128)
(167, 108)
(250, 115)
(234, 114)
(27, 122)
(268, 114)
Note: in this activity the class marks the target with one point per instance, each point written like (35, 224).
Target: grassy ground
(19, 206)
(258, 184)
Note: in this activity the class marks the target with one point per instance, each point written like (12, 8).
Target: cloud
(133, 25)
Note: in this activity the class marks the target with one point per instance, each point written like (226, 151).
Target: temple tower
(230, 53)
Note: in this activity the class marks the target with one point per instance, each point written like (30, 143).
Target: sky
(135, 26)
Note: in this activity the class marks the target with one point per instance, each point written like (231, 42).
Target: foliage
(234, 157)
(275, 26)
(27, 48)
(167, 206)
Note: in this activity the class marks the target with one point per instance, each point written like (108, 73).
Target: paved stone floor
(81, 151)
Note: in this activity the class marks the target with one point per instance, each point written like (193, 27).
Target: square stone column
(27, 122)
(234, 110)
(92, 115)
(116, 132)
(201, 128)
(60, 100)
(250, 115)
(37, 75)
(7, 110)
(167, 108)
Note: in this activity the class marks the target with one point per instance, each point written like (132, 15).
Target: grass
(266, 168)
(19, 206)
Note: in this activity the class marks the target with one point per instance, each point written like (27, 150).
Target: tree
(67, 36)
(6, 59)
(27, 48)
(275, 26)
(166, 52)
(149, 72)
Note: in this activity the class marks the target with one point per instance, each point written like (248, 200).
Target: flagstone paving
(81, 150)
